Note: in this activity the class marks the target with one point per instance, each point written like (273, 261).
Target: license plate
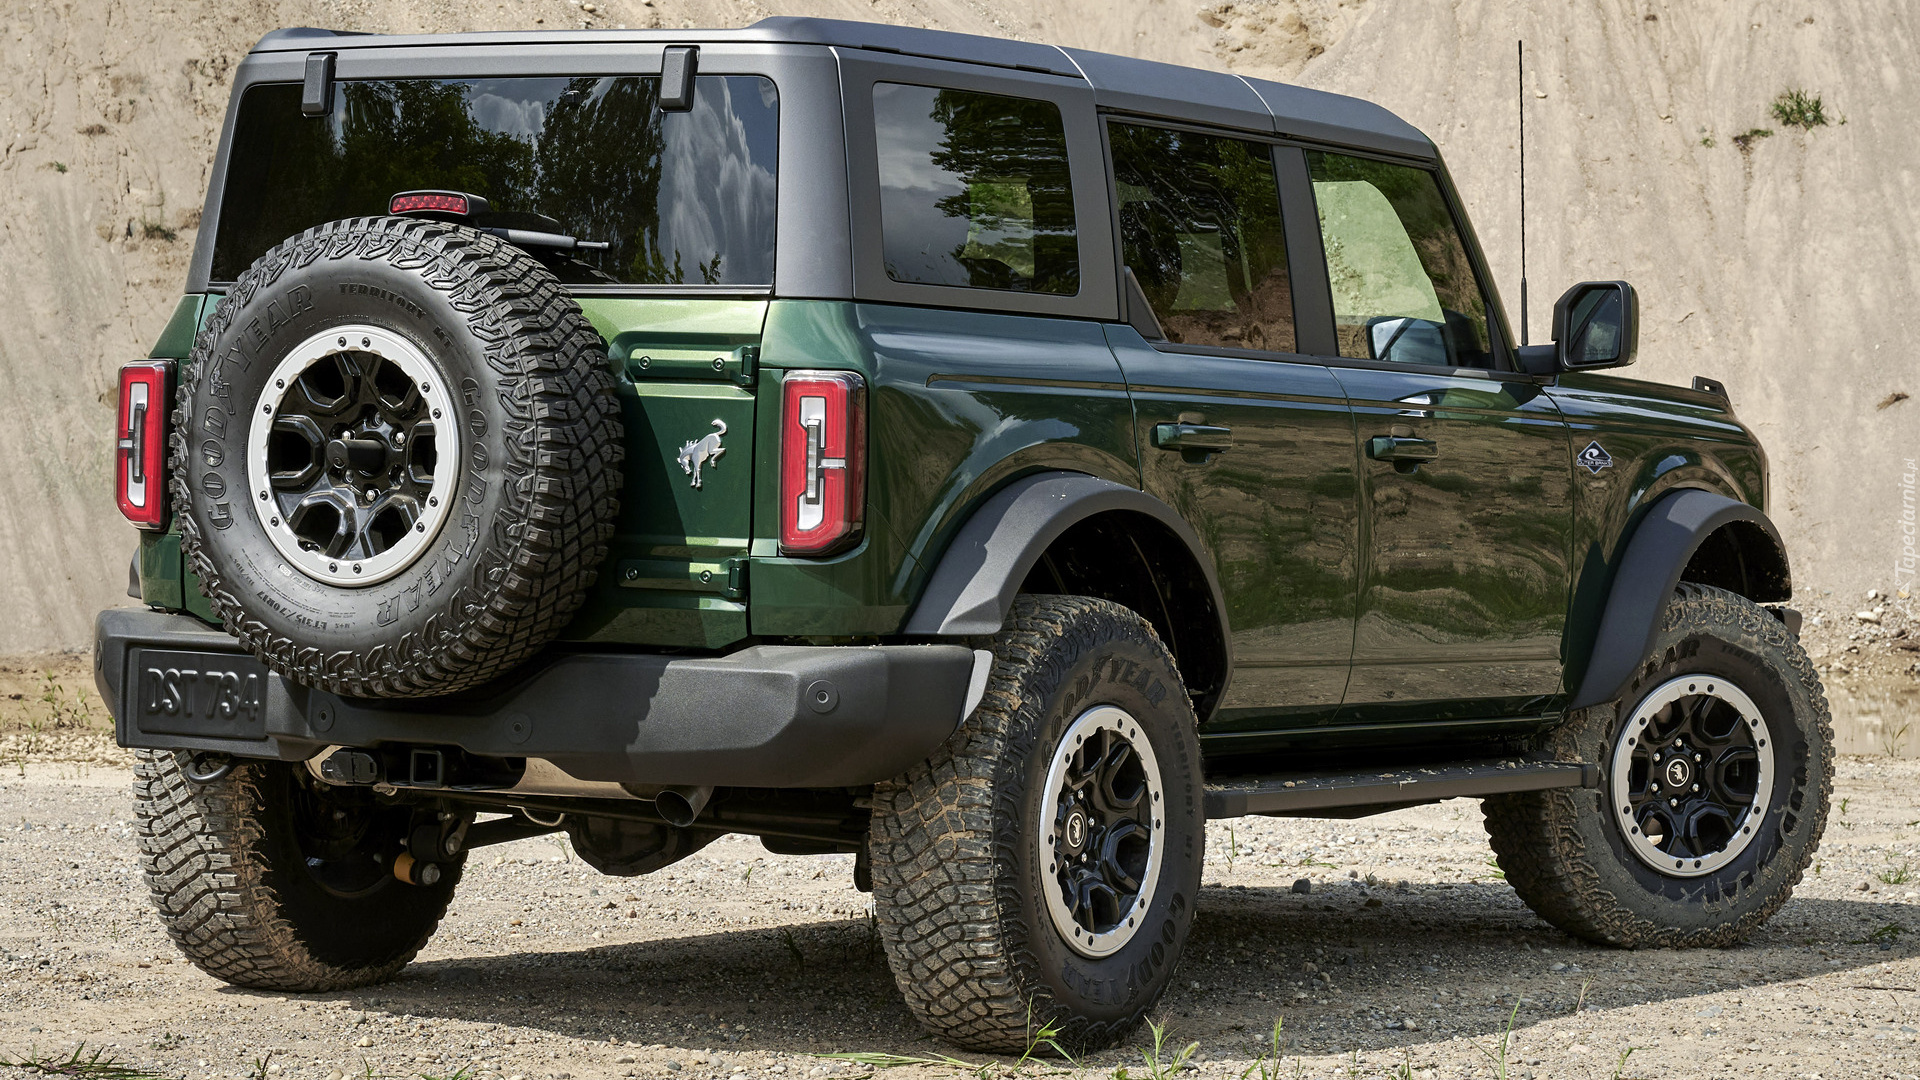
(219, 695)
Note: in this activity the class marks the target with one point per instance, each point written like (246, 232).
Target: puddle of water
(1876, 720)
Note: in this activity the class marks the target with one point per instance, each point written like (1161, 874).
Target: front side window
(678, 197)
(974, 190)
(1200, 228)
(1403, 287)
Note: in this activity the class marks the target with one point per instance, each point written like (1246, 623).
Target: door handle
(1401, 448)
(1206, 438)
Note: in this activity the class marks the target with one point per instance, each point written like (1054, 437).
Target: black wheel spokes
(328, 387)
(325, 521)
(1102, 875)
(1692, 776)
(296, 451)
(1734, 778)
(352, 456)
(1095, 904)
(344, 844)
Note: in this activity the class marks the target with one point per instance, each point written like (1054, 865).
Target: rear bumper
(766, 716)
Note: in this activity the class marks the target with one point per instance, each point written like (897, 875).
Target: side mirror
(1407, 341)
(1596, 324)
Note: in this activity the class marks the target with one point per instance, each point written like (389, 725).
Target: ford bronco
(992, 460)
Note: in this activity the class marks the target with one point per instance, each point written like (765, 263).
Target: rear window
(974, 190)
(681, 198)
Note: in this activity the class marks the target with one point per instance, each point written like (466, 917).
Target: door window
(1403, 287)
(1200, 229)
(974, 190)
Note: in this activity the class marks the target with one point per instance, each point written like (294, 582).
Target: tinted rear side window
(1200, 228)
(974, 190)
(680, 197)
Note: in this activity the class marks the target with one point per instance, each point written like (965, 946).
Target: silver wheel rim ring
(1099, 718)
(1746, 829)
(396, 349)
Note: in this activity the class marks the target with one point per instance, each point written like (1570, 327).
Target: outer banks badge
(1594, 458)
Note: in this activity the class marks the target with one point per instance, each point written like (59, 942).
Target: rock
(673, 1066)
(1867, 616)
(365, 1041)
(1302, 886)
(1873, 594)
(1410, 1024)
(623, 1059)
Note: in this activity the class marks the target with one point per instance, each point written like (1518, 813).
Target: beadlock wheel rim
(1102, 831)
(1692, 775)
(353, 455)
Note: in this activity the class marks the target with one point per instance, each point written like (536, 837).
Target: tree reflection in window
(975, 190)
(680, 197)
(1200, 228)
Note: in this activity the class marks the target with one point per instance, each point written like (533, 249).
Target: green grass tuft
(94, 1066)
(1797, 108)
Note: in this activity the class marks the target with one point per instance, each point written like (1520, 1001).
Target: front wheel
(1041, 868)
(1716, 768)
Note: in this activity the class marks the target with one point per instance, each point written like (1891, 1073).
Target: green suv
(992, 460)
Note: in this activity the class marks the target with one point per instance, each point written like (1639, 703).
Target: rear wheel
(1716, 768)
(267, 879)
(1042, 867)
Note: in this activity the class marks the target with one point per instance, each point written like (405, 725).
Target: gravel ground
(1407, 954)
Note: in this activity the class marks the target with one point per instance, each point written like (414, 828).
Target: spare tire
(396, 460)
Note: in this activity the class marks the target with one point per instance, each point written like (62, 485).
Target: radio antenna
(1522, 86)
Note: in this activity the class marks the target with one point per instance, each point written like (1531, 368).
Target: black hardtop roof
(1120, 83)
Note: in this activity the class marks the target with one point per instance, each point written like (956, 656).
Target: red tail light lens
(457, 203)
(822, 448)
(139, 464)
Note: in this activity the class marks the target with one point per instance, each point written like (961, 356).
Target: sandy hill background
(1781, 263)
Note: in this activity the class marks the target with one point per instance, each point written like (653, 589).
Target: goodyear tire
(396, 457)
(1716, 769)
(267, 879)
(1042, 867)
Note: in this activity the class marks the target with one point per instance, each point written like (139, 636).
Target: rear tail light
(142, 451)
(822, 448)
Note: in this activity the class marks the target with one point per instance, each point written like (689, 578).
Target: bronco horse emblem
(705, 450)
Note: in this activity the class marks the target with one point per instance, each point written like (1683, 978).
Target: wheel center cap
(367, 455)
(1679, 772)
(1074, 831)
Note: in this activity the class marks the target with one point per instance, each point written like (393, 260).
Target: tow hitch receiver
(419, 767)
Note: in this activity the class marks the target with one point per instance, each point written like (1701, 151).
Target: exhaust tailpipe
(680, 806)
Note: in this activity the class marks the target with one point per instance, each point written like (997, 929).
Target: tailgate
(676, 571)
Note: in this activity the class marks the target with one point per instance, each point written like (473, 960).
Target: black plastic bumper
(766, 716)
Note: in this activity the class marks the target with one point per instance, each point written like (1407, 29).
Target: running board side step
(1306, 794)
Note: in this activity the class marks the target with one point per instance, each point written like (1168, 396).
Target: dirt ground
(1772, 257)
(1407, 958)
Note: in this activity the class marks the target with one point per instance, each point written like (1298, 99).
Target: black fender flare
(972, 589)
(1649, 570)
